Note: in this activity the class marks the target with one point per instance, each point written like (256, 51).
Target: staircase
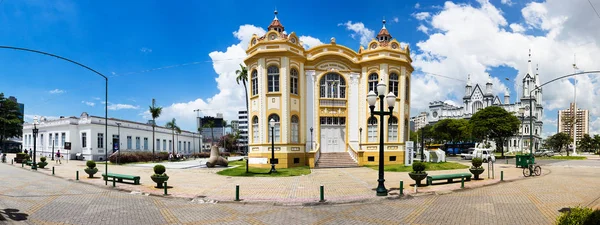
(335, 160)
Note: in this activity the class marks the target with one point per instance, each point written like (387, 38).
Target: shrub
(159, 169)
(43, 159)
(132, 157)
(201, 155)
(418, 167)
(579, 215)
(476, 162)
(90, 164)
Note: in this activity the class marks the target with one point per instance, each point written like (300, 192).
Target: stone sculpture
(215, 158)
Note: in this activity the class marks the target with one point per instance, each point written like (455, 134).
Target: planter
(159, 180)
(476, 172)
(91, 171)
(42, 164)
(417, 177)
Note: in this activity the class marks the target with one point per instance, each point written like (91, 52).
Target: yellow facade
(324, 88)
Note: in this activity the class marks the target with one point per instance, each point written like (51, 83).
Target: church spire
(469, 80)
(537, 75)
(276, 25)
(529, 69)
(384, 35)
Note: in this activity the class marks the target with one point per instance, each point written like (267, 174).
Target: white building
(475, 99)
(420, 121)
(86, 135)
(243, 128)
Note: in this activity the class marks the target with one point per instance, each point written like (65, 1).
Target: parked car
(485, 154)
(468, 155)
(543, 152)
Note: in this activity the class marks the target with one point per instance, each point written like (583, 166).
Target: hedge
(132, 157)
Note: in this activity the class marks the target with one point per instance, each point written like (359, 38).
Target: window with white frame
(254, 82)
(407, 90)
(255, 131)
(170, 145)
(129, 142)
(100, 140)
(373, 80)
(157, 144)
(179, 146)
(145, 143)
(333, 86)
(84, 140)
(394, 84)
(62, 137)
(137, 143)
(392, 129)
(50, 139)
(294, 81)
(277, 129)
(295, 129)
(164, 145)
(372, 129)
(189, 147)
(55, 139)
(273, 79)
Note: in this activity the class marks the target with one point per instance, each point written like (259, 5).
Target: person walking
(58, 157)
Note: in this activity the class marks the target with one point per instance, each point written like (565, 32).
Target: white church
(477, 98)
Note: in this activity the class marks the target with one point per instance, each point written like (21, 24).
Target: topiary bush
(418, 167)
(159, 169)
(476, 162)
(578, 215)
(90, 164)
(43, 159)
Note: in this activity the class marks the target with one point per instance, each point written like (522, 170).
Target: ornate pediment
(332, 66)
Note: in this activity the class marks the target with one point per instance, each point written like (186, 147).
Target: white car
(468, 155)
(485, 154)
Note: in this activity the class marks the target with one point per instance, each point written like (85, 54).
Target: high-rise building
(217, 129)
(582, 122)
(243, 128)
(235, 126)
(21, 107)
(419, 121)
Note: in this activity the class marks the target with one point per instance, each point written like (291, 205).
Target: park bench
(448, 177)
(121, 177)
(28, 163)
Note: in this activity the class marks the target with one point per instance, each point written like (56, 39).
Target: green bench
(28, 163)
(121, 177)
(448, 177)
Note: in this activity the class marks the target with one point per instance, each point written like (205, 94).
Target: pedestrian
(58, 157)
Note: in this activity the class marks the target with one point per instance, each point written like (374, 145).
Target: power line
(594, 9)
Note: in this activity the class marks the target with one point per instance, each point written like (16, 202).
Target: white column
(353, 114)
(262, 103)
(310, 107)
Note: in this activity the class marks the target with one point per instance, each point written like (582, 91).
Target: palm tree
(210, 124)
(155, 111)
(173, 126)
(243, 76)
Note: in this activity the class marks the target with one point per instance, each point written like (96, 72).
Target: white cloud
(122, 106)
(88, 103)
(364, 34)
(230, 97)
(417, 5)
(507, 2)
(145, 50)
(422, 15)
(475, 38)
(309, 42)
(57, 91)
(517, 28)
(96, 98)
(423, 28)
(396, 19)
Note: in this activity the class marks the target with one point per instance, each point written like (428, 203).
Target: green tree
(173, 126)
(210, 124)
(242, 75)
(560, 140)
(596, 142)
(586, 143)
(229, 142)
(10, 123)
(454, 130)
(495, 123)
(155, 111)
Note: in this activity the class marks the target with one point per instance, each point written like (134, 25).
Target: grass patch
(428, 167)
(240, 171)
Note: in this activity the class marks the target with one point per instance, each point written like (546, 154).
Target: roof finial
(529, 55)
(383, 23)
(275, 13)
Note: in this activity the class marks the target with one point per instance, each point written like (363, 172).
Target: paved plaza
(40, 198)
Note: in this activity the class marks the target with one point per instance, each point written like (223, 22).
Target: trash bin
(524, 160)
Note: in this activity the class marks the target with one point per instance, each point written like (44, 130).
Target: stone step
(335, 160)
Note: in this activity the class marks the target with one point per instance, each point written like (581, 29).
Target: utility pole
(574, 106)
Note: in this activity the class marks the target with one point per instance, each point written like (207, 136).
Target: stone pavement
(341, 185)
(37, 198)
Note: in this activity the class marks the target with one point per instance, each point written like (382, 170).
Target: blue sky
(183, 53)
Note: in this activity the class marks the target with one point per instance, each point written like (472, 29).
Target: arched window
(295, 129)
(407, 90)
(273, 78)
(254, 78)
(392, 129)
(294, 81)
(372, 129)
(277, 130)
(333, 86)
(255, 130)
(394, 84)
(477, 106)
(373, 82)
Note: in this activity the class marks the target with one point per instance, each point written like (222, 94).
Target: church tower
(468, 92)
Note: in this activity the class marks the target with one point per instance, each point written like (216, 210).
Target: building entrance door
(332, 138)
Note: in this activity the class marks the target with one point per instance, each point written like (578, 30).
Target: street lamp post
(119, 141)
(360, 138)
(35, 133)
(422, 144)
(391, 100)
(272, 124)
(311, 138)
(52, 150)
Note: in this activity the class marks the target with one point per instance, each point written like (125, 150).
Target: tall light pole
(391, 100)
(272, 124)
(574, 107)
(119, 141)
(35, 133)
(52, 150)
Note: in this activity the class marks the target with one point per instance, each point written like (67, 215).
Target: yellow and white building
(317, 97)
